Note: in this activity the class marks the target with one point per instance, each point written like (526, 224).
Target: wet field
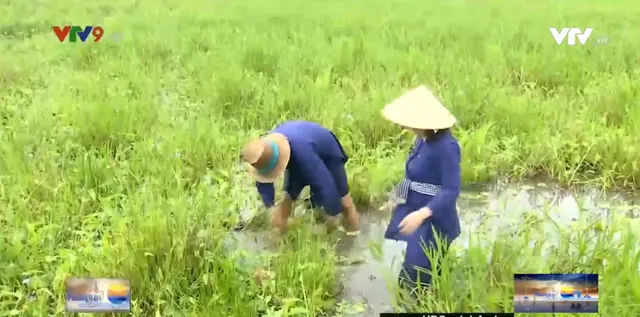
(370, 264)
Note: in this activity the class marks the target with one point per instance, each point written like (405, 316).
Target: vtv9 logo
(73, 32)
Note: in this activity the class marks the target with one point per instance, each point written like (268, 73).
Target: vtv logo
(572, 33)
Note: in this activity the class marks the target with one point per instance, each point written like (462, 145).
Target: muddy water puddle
(370, 264)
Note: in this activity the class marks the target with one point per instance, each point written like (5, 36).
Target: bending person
(308, 154)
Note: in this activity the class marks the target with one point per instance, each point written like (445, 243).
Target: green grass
(117, 158)
(481, 279)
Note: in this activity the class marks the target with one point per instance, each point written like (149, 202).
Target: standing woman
(307, 154)
(425, 201)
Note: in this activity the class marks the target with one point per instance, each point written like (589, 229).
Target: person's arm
(267, 192)
(450, 169)
(319, 177)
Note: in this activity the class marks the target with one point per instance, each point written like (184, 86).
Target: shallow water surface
(371, 264)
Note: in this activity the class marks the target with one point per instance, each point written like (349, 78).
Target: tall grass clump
(118, 158)
(481, 279)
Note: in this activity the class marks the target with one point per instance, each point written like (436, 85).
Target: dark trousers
(411, 276)
(293, 186)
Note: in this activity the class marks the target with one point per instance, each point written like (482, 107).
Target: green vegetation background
(118, 157)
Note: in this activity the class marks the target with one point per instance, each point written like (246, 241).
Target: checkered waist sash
(400, 192)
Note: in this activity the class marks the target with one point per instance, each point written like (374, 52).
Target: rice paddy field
(120, 158)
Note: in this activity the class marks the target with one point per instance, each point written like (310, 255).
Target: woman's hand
(412, 221)
(280, 214)
(278, 222)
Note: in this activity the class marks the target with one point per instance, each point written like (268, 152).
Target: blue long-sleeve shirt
(437, 162)
(312, 145)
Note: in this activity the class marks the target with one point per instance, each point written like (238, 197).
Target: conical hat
(419, 109)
